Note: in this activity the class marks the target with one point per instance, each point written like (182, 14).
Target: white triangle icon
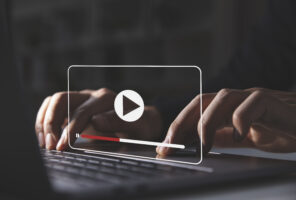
(129, 105)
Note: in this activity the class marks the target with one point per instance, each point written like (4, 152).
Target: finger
(39, 121)
(110, 122)
(224, 139)
(66, 140)
(101, 101)
(140, 129)
(260, 135)
(271, 139)
(261, 107)
(56, 114)
(184, 126)
(218, 115)
(87, 91)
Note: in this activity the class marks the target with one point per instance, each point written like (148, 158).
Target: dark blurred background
(49, 36)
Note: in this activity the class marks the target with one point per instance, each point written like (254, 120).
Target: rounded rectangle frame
(120, 155)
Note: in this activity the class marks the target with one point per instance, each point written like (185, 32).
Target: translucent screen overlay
(165, 90)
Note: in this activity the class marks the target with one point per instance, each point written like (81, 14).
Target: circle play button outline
(129, 105)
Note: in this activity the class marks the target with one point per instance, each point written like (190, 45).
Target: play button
(129, 105)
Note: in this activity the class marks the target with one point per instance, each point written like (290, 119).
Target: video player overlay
(132, 118)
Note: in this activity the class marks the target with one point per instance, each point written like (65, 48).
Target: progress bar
(130, 141)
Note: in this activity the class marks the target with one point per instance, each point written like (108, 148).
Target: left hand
(256, 117)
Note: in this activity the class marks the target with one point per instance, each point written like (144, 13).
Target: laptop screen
(134, 107)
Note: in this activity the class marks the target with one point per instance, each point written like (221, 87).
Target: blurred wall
(52, 35)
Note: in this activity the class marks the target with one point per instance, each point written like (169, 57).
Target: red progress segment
(95, 137)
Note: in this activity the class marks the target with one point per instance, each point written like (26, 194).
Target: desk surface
(283, 188)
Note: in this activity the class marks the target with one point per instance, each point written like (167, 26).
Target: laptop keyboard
(89, 170)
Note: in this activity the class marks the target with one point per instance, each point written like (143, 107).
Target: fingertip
(207, 143)
(38, 127)
(63, 142)
(60, 145)
(50, 141)
(163, 150)
(237, 136)
(206, 148)
(207, 139)
(41, 139)
(157, 149)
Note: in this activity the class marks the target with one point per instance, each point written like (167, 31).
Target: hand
(260, 118)
(88, 106)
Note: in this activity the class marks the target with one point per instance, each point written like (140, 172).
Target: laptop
(28, 172)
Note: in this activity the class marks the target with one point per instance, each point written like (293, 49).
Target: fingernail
(157, 149)
(50, 141)
(61, 143)
(237, 136)
(41, 139)
(163, 150)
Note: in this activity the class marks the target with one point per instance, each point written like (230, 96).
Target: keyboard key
(58, 156)
(78, 164)
(108, 159)
(53, 160)
(58, 167)
(66, 162)
(90, 170)
(107, 170)
(107, 164)
(94, 161)
(143, 170)
(148, 165)
(87, 182)
(81, 159)
(69, 158)
(87, 173)
(108, 178)
(122, 166)
(72, 170)
(164, 168)
(130, 162)
(91, 166)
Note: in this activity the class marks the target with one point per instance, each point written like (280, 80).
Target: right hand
(255, 118)
(88, 106)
